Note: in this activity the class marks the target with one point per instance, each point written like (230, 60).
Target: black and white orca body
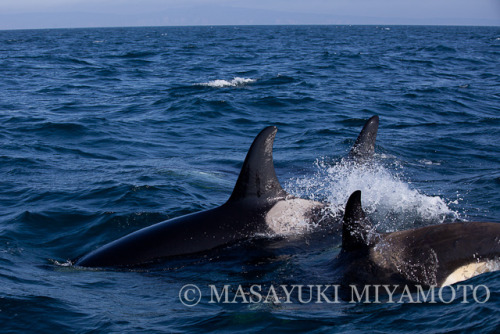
(257, 206)
(436, 255)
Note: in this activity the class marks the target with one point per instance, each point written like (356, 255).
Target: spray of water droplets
(389, 201)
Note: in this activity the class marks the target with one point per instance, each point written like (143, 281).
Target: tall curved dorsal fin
(257, 177)
(355, 226)
(364, 147)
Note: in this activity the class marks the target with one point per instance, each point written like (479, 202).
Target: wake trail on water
(387, 198)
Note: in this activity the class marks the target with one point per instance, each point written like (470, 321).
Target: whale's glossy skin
(436, 255)
(258, 205)
(242, 216)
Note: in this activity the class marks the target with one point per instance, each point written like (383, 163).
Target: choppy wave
(236, 82)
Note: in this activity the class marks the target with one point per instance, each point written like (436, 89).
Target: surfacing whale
(258, 205)
(437, 255)
(364, 146)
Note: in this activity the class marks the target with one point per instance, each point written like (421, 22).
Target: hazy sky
(18, 14)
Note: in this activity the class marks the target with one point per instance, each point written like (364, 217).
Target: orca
(258, 205)
(435, 255)
(364, 146)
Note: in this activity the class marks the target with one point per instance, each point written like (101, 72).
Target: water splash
(224, 83)
(389, 201)
(68, 263)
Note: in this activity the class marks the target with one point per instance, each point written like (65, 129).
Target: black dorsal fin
(356, 226)
(257, 177)
(364, 147)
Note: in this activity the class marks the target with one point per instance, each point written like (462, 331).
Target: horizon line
(260, 25)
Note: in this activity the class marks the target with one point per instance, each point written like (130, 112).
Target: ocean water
(106, 131)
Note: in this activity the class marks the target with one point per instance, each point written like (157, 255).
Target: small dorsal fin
(257, 177)
(355, 226)
(364, 147)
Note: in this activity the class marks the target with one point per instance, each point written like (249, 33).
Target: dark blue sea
(106, 131)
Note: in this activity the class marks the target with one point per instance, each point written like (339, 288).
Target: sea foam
(389, 201)
(237, 81)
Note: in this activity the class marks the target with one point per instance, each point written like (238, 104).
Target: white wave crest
(224, 83)
(389, 201)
